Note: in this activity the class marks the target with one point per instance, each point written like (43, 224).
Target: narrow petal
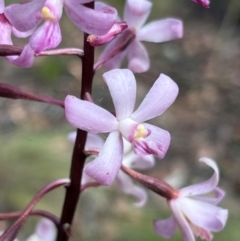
(162, 94)
(25, 59)
(138, 57)
(165, 228)
(181, 221)
(136, 12)
(203, 214)
(156, 143)
(88, 116)
(20, 34)
(5, 30)
(106, 166)
(24, 16)
(122, 86)
(96, 21)
(127, 186)
(204, 187)
(2, 6)
(45, 230)
(47, 36)
(161, 31)
(218, 196)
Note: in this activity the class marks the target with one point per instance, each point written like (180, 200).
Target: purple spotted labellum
(194, 214)
(145, 138)
(135, 15)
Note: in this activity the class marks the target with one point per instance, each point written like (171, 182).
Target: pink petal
(161, 31)
(5, 30)
(165, 228)
(137, 57)
(204, 187)
(47, 36)
(122, 87)
(159, 98)
(181, 221)
(156, 143)
(24, 16)
(203, 214)
(204, 3)
(20, 34)
(88, 116)
(2, 6)
(45, 230)
(127, 186)
(136, 12)
(96, 22)
(106, 166)
(25, 60)
(85, 178)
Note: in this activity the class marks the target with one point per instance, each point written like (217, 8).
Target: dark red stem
(78, 157)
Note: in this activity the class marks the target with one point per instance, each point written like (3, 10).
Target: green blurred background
(204, 121)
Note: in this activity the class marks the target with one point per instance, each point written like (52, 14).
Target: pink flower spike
(196, 215)
(204, 3)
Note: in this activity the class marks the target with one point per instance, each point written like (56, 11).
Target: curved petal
(20, 34)
(5, 30)
(204, 187)
(96, 21)
(2, 6)
(127, 186)
(156, 143)
(88, 116)
(45, 230)
(162, 94)
(122, 86)
(203, 214)
(165, 228)
(85, 179)
(138, 57)
(25, 59)
(46, 36)
(161, 31)
(181, 221)
(106, 166)
(219, 194)
(24, 16)
(136, 12)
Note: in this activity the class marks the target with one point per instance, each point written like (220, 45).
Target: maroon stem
(78, 157)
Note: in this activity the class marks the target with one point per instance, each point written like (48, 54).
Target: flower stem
(78, 158)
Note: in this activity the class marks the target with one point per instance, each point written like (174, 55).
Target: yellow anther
(140, 131)
(47, 14)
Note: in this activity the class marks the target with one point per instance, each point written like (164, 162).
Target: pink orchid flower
(204, 3)
(45, 231)
(26, 16)
(145, 138)
(130, 159)
(195, 214)
(135, 15)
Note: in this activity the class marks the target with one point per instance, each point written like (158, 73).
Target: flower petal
(165, 228)
(20, 34)
(25, 59)
(24, 16)
(136, 12)
(5, 30)
(181, 221)
(203, 214)
(156, 143)
(106, 166)
(162, 94)
(88, 116)
(137, 57)
(127, 186)
(2, 6)
(204, 187)
(122, 86)
(47, 36)
(45, 230)
(161, 31)
(96, 21)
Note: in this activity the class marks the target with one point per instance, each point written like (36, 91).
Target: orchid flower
(26, 16)
(26, 58)
(204, 3)
(145, 138)
(130, 159)
(135, 15)
(195, 214)
(45, 231)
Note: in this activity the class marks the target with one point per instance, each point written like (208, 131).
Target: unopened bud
(116, 29)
